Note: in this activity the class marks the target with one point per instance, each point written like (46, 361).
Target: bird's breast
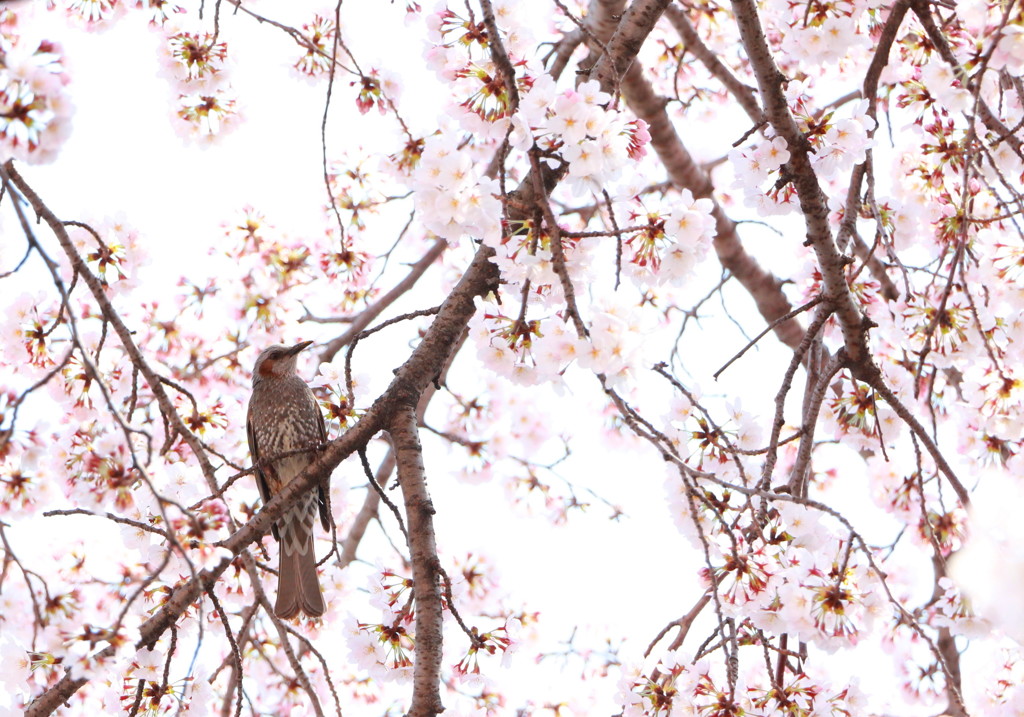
(285, 418)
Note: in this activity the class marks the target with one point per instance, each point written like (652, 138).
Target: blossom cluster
(596, 142)
(386, 650)
(676, 685)
(671, 239)
(35, 111)
(453, 198)
(320, 34)
(535, 351)
(798, 576)
(195, 64)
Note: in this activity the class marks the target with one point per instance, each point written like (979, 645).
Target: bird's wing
(261, 477)
(324, 489)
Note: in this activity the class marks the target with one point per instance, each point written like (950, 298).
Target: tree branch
(762, 285)
(621, 49)
(695, 45)
(813, 203)
(110, 315)
(419, 512)
(371, 312)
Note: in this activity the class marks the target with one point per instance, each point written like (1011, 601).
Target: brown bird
(284, 418)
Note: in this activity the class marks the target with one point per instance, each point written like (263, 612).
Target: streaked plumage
(284, 416)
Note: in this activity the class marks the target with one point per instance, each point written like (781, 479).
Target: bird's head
(277, 361)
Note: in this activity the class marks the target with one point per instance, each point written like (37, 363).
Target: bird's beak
(298, 347)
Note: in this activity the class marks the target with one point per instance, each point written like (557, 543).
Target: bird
(284, 419)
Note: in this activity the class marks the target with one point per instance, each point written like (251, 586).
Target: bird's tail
(298, 587)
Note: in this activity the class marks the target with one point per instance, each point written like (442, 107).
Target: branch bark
(763, 286)
(419, 512)
(621, 49)
(813, 204)
(372, 501)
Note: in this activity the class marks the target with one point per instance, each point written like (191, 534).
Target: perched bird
(285, 426)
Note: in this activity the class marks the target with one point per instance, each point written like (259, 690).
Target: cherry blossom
(669, 357)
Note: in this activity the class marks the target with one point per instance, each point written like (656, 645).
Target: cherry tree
(773, 249)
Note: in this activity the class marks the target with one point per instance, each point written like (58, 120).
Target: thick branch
(813, 203)
(763, 286)
(817, 384)
(371, 503)
(563, 52)
(419, 511)
(621, 49)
